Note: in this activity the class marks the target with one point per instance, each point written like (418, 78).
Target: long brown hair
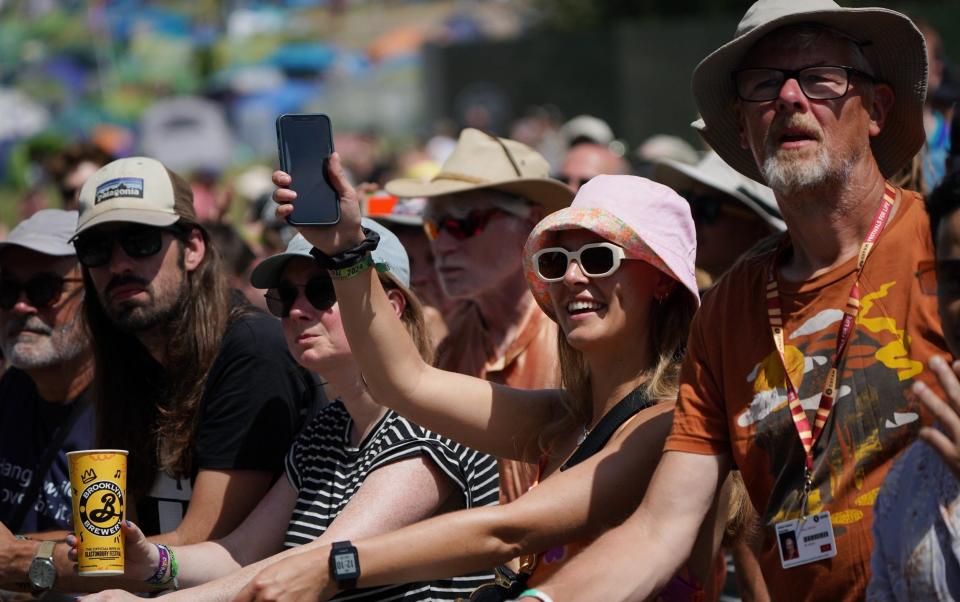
(669, 324)
(411, 317)
(152, 410)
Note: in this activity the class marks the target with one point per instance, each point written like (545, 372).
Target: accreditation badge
(805, 540)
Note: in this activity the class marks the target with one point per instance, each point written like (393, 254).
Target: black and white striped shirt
(326, 472)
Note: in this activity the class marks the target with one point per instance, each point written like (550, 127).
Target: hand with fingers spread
(141, 556)
(945, 441)
(330, 239)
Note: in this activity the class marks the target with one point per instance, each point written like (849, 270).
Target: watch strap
(45, 550)
(340, 546)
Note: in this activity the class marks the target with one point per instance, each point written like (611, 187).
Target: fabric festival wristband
(174, 571)
(347, 257)
(162, 565)
(349, 272)
(535, 593)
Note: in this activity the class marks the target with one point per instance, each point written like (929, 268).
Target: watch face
(345, 565)
(42, 573)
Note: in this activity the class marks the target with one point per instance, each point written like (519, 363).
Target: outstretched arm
(488, 417)
(568, 506)
(662, 531)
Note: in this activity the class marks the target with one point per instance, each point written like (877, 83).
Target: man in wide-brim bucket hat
(890, 42)
(788, 374)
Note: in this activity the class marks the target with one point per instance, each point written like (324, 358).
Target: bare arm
(662, 531)
(575, 504)
(391, 497)
(482, 415)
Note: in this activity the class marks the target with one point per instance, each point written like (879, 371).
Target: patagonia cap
(48, 231)
(137, 190)
(649, 220)
(389, 254)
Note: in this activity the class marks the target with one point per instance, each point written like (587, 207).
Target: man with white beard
(44, 412)
(800, 359)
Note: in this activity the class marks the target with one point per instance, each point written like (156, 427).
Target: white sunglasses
(596, 260)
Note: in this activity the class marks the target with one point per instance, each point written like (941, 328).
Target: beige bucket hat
(891, 42)
(482, 160)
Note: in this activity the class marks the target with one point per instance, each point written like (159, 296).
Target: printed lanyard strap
(809, 436)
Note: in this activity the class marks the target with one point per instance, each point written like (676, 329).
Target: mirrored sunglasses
(318, 291)
(43, 290)
(460, 228)
(138, 242)
(596, 260)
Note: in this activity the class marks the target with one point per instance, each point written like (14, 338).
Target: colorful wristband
(162, 565)
(349, 272)
(535, 593)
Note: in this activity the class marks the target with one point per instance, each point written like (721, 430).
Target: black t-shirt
(255, 401)
(28, 424)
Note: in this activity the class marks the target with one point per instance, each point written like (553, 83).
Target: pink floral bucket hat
(649, 221)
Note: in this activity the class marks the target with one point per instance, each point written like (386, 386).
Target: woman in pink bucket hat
(616, 272)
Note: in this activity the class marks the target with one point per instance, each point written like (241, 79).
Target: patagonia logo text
(119, 188)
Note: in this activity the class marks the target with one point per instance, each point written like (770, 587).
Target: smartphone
(305, 144)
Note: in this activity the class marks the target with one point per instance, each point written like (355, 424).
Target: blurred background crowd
(199, 84)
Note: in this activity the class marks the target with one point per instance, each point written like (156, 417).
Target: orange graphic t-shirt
(733, 396)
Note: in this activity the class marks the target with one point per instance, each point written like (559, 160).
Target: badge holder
(807, 539)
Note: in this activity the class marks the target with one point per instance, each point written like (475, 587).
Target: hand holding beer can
(98, 482)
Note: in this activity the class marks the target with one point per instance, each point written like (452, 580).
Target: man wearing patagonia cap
(44, 408)
(822, 104)
(480, 209)
(196, 384)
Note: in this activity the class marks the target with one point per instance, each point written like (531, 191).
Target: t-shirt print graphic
(871, 418)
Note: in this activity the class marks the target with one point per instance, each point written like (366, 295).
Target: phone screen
(306, 143)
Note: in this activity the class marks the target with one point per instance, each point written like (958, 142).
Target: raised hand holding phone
(305, 143)
(332, 239)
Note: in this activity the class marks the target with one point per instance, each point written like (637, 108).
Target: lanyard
(808, 436)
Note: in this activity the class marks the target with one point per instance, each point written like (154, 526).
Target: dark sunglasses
(459, 228)
(707, 208)
(596, 260)
(318, 290)
(571, 181)
(43, 290)
(95, 250)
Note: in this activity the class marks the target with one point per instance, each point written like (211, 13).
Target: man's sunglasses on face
(460, 228)
(707, 208)
(318, 290)
(821, 82)
(572, 181)
(42, 290)
(95, 250)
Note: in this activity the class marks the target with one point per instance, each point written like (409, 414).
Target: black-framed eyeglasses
(318, 291)
(939, 277)
(94, 250)
(819, 82)
(42, 290)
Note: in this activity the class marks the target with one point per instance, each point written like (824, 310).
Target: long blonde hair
(669, 324)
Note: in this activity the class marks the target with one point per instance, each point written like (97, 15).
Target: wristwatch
(42, 572)
(344, 564)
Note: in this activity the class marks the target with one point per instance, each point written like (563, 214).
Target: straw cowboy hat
(890, 41)
(481, 161)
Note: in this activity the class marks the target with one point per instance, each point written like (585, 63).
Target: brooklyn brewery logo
(101, 507)
(119, 188)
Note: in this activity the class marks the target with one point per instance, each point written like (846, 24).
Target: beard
(161, 307)
(789, 171)
(29, 343)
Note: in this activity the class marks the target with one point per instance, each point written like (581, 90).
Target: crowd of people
(498, 380)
